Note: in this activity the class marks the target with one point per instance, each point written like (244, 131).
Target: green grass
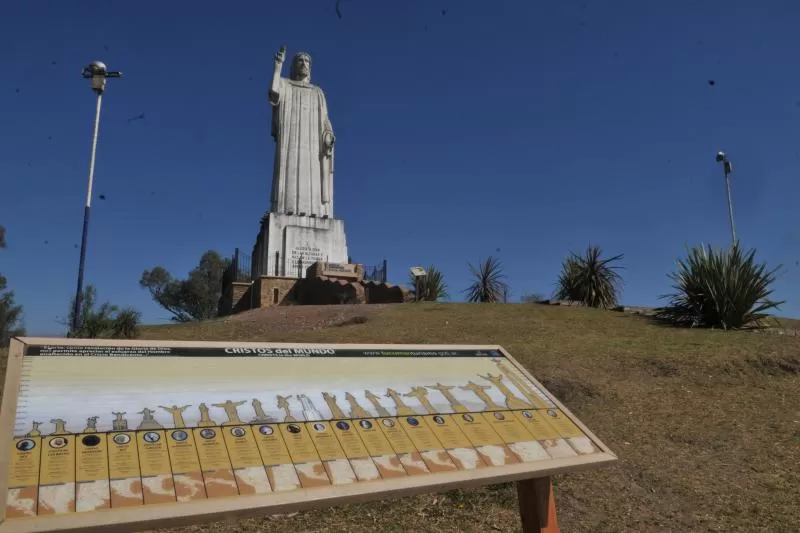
(706, 424)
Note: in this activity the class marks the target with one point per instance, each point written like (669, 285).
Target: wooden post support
(537, 506)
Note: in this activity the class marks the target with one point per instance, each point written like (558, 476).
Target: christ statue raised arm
(302, 180)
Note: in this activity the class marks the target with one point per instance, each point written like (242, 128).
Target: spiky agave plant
(720, 288)
(488, 285)
(434, 287)
(590, 279)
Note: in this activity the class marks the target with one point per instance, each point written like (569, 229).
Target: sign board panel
(146, 434)
(418, 272)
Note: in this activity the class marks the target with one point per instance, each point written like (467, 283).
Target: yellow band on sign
(58, 460)
(123, 455)
(326, 443)
(25, 460)
(447, 431)
(374, 439)
(92, 458)
(182, 452)
(153, 453)
(271, 445)
(211, 449)
(242, 447)
(348, 437)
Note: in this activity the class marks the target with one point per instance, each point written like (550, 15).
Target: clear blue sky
(520, 129)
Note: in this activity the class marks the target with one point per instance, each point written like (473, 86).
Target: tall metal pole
(727, 167)
(97, 72)
(76, 319)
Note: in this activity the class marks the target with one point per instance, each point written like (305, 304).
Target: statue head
(301, 67)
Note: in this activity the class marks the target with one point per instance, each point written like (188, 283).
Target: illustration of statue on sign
(376, 403)
(421, 394)
(445, 391)
(512, 400)
(61, 426)
(177, 414)
(205, 418)
(231, 411)
(91, 424)
(119, 423)
(283, 404)
(148, 422)
(480, 392)
(400, 406)
(330, 399)
(35, 432)
(521, 384)
(309, 410)
(356, 411)
(261, 416)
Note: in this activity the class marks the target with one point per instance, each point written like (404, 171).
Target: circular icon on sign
(412, 421)
(366, 424)
(552, 412)
(266, 430)
(527, 414)
(179, 435)
(121, 438)
(438, 419)
(58, 442)
(208, 433)
(319, 427)
(90, 440)
(500, 416)
(344, 426)
(151, 437)
(26, 445)
(293, 428)
(388, 422)
(468, 418)
(237, 432)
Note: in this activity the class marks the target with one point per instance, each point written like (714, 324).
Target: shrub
(721, 289)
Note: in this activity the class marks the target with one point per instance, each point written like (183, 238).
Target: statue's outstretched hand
(280, 57)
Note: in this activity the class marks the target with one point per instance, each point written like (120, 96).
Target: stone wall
(235, 298)
(272, 290)
(384, 293)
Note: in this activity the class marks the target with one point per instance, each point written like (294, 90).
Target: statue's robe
(302, 181)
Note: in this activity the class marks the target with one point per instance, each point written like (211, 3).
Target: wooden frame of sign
(455, 419)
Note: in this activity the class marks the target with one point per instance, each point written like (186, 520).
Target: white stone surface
(299, 242)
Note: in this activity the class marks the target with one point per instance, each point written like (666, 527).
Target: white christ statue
(302, 180)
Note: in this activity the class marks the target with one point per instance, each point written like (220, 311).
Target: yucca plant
(488, 285)
(590, 279)
(719, 289)
(433, 286)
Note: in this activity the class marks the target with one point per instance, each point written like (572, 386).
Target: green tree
(194, 298)
(10, 312)
(104, 320)
(434, 287)
(719, 288)
(488, 285)
(590, 279)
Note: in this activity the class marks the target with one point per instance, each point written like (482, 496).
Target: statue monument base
(288, 244)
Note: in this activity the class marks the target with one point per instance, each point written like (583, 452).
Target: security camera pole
(728, 168)
(97, 72)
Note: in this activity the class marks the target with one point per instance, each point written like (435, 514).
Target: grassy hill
(706, 423)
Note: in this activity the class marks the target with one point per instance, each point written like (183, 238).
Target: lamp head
(721, 157)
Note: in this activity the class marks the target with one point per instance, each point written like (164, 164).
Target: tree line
(721, 288)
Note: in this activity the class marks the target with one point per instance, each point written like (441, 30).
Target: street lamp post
(97, 72)
(728, 168)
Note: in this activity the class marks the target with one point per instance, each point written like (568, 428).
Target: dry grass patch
(706, 423)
